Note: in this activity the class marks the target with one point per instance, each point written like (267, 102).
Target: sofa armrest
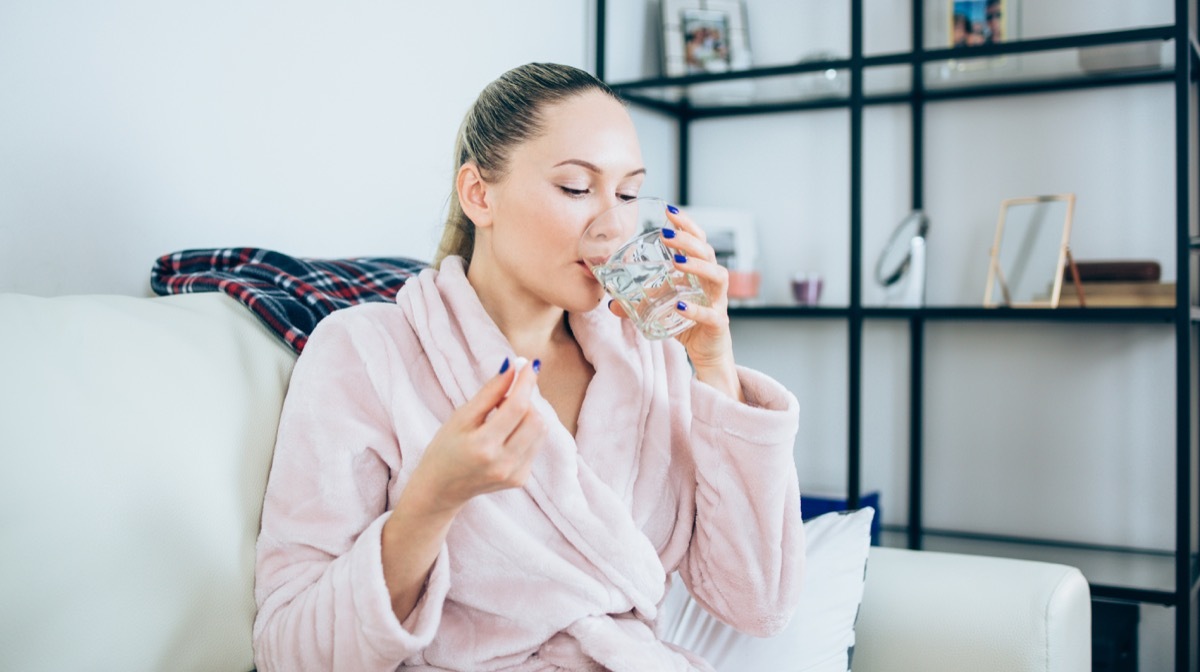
(929, 612)
(137, 436)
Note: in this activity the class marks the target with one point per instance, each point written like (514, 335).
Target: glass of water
(623, 248)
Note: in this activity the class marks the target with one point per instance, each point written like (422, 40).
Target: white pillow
(819, 638)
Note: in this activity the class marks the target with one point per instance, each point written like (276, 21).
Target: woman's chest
(563, 382)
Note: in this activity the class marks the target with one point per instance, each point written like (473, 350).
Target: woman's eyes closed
(580, 193)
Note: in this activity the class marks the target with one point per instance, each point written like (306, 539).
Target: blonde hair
(506, 113)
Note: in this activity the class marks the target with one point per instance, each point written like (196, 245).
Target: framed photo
(975, 23)
(704, 36)
(964, 24)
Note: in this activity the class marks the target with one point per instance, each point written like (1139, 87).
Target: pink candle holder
(743, 285)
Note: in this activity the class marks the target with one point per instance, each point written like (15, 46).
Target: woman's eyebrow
(594, 168)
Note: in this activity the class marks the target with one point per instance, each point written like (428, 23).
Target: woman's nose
(602, 206)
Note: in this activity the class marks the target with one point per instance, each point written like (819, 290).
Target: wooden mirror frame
(996, 273)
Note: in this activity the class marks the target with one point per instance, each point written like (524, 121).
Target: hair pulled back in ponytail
(507, 112)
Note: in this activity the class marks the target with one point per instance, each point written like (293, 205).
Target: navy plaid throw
(287, 294)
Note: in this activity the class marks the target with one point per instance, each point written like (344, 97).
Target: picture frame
(974, 23)
(704, 37)
(969, 24)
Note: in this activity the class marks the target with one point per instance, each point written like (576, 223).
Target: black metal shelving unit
(1115, 573)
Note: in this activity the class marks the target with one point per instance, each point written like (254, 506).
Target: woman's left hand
(708, 343)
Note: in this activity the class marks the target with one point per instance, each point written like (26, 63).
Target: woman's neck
(531, 325)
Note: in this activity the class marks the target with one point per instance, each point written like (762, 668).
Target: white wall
(132, 128)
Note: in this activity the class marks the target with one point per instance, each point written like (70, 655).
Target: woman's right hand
(487, 444)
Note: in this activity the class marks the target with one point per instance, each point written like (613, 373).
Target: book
(1110, 294)
(1117, 270)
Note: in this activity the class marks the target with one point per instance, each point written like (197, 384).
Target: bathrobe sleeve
(319, 586)
(746, 558)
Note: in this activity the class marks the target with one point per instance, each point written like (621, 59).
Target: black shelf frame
(648, 93)
(635, 90)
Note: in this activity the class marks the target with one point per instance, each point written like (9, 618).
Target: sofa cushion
(820, 636)
(136, 437)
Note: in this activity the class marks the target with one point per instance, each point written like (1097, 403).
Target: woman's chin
(586, 303)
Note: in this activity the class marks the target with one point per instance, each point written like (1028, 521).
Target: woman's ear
(473, 195)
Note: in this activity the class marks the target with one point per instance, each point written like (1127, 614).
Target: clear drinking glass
(623, 248)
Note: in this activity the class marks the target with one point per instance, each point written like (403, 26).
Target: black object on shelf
(1112, 619)
(1114, 636)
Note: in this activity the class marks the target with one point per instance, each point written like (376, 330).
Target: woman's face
(586, 160)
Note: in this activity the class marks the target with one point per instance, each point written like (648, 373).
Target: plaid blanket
(287, 294)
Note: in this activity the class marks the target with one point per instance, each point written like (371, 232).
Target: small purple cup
(806, 289)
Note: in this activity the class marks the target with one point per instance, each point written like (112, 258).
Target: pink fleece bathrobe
(664, 474)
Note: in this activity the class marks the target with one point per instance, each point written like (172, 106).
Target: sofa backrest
(136, 437)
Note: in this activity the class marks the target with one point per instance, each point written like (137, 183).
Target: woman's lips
(587, 270)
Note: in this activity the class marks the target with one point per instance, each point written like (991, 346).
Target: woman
(427, 512)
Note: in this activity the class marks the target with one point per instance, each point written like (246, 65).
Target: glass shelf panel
(1138, 570)
(891, 82)
(759, 310)
(830, 86)
(1164, 316)
(1088, 63)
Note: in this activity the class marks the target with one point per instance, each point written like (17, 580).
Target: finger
(490, 395)
(617, 309)
(712, 276)
(515, 460)
(682, 242)
(703, 315)
(537, 429)
(684, 223)
(514, 407)
(527, 436)
(524, 445)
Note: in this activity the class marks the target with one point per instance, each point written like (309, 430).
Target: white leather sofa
(137, 434)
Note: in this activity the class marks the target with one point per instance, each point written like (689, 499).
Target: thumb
(490, 395)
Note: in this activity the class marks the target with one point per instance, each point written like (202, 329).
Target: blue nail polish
(504, 366)
(537, 366)
(672, 209)
(681, 305)
(668, 233)
(679, 258)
